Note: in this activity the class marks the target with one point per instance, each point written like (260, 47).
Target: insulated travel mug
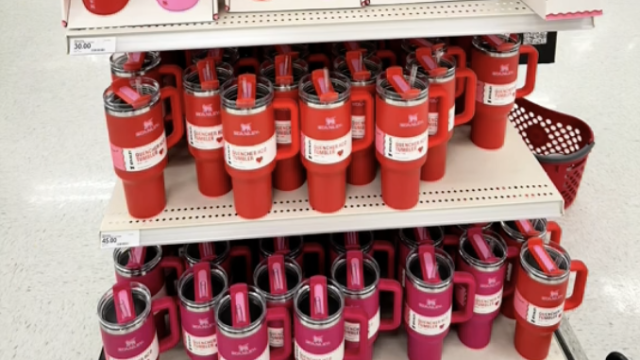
(219, 253)
(292, 247)
(340, 243)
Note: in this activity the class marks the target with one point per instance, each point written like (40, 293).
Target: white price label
(92, 46)
(118, 239)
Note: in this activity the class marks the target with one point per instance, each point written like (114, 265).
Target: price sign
(117, 239)
(92, 46)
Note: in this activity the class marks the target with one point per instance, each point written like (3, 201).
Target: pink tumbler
(219, 253)
(428, 314)
(409, 240)
(364, 241)
(199, 289)
(277, 279)
(483, 254)
(241, 319)
(292, 247)
(319, 322)
(358, 277)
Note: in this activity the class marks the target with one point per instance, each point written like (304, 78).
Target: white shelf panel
(479, 186)
(372, 22)
(394, 347)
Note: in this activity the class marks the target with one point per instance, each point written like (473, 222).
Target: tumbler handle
(388, 248)
(532, 69)
(466, 280)
(318, 250)
(510, 286)
(247, 62)
(361, 144)
(451, 242)
(281, 314)
(176, 72)
(173, 262)
(555, 232)
(357, 315)
(392, 286)
(578, 288)
(388, 55)
(442, 134)
(469, 96)
(171, 340)
(245, 253)
(286, 152)
(176, 114)
(461, 63)
(321, 59)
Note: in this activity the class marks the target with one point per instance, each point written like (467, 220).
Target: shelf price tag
(117, 239)
(92, 46)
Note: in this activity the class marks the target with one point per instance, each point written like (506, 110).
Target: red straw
(277, 278)
(202, 282)
(484, 252)
(429, 263)
(355, 278)
(123, 302)
(537, 249)
(240, 316)
(318, 297)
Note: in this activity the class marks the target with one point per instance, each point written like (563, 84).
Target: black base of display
(545, 43)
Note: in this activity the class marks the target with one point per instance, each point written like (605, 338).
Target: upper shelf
(479, 186)
(290, 27)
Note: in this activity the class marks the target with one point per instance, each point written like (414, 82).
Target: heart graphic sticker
(259, 159)
(219, 139)
(340, 152)
(420, 149)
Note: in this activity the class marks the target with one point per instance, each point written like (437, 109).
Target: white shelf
(479, 186)
(372, 22)
(394, 347)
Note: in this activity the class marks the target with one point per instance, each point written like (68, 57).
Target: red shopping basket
(560, 142)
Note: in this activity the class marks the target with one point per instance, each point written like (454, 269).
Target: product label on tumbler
(483, 304)
(263, 356)
(200, 345)
(139, 158)
(150, 353)
(402, 148)
(301, 354)
(536, 315)
(326, 151)
(283, 131)
(492, 94)
(357, 126)
(276, 337)
(205, 137)
(352, 331)
(433, 120)
(427, 325)
(250, 157)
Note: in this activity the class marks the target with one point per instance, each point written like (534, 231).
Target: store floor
(56, 178)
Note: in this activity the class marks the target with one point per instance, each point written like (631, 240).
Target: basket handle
(560, 158)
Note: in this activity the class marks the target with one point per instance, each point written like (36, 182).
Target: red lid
(281, 245)
(545, 262)
(322, 85)
(396, 78)
(216, 55)
(122, 88)
(526, 228)
(483, 250)
(498, 43)
(240, 316)
(425, 57)
(284, 69)
(134, 62)
(246, 91)
(318, 297)
(428, 263)
(207, 74)
(356, 66)
(354, 46)
(277, 278)
(355, 271)
(123, 302)
(207, 251)
(202, 282)
(286, 49)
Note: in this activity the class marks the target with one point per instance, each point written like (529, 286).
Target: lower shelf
(394, 347)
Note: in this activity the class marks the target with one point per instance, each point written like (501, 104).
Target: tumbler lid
(356, 274)
(485, 250)
(277, 71)
(324, 90)
(433, 235)
(277, 278)
(201, 285)
(429, 268)
(323, 86)
(132, 92)
(354, 240)
(542, 257)
(545, 263)
(124, 307)
(404, 88)
(319, 303)
(356, 66)
(367, 48)
(290, 246)
(410, 45)
(499, 45)
(284, 70)
(228, 55)
(482, 249)
(133, 64)
(138, 261)
(521, 230)
(215, 252)
(247, 94)
(429, 59)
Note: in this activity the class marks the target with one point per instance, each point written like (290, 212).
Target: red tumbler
(250, 147)
(298, 51)
(363, 73)
(441, 71)
(540, 297)
(204, 124)
(402, 137)
(325, 110)
(135, 124)
(227, 55)
(146, 64)
(285, 74)
(494, 59)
